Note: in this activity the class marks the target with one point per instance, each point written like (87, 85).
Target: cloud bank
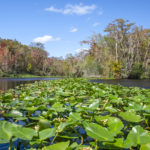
(73, 9)
(81, 50)
(45, 39)
(96, 24)
(73, 29)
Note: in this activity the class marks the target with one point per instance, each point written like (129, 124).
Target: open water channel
(7, 83)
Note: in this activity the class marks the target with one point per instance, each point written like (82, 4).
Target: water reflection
(9, 83)
(5, 84)
(145, 83)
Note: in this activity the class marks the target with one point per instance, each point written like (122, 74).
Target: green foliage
(1, 73)
(136, 72)
(122, 53)
(75, 114)
(137, 136)
(92, 66)
(116, 68)
(47, 133)
(29, 67)
(145, 147)
(130, 116)
(58, 146)
(98, 132)
(16, 58)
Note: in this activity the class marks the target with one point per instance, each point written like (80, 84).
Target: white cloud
(96, 24)
(81, 50)
(73, 9)
(73, 29)
(45, 39)
(53, 9)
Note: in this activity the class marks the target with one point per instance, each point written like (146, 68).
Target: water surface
(144, 83)
(8, 83)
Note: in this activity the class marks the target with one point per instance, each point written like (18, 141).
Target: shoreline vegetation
(28, 76)
(38, 76)
(123, 52)
(75, 114)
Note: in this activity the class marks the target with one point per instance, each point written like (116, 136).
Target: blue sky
(62, 24)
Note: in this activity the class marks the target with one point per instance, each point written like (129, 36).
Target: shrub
(136, 72)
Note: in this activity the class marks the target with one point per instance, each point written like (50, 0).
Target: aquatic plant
(74, 114)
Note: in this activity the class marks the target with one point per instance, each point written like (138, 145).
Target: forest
(122, 52)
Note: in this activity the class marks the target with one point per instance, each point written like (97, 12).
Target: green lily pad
(137, 136)
(58, 146)
(145, 146)
(6, 131)
(130, 116)
(47, 133)
(75, 116)
(98, 132)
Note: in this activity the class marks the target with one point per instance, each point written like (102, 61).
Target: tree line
(123, 52)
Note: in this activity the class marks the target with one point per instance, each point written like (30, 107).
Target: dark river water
(7, 83)
(145, 83)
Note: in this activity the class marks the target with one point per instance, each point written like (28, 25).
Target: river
(144, 83)
(8, 83)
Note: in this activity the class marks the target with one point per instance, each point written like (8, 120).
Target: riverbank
(75, 113)
(42, 76)
(27, 76)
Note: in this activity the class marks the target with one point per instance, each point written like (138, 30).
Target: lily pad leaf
(58, 107)
(47, 133)
(118, 144)
(135, 106)
(6, 131)
(58, 146)
(44, 124)
(103, 120)
(21, 118)
(75, 116)
(94, 105)
(137, 136)
(62, 126)
(73, 145)
(24, 133)
(146, 108)
(130, 116)
(115, 125)
(14, 113)
(111, 109)
(145, 146)
(98, 132)
(9, 130)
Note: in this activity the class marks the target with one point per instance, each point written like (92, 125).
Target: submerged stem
(54, 138)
